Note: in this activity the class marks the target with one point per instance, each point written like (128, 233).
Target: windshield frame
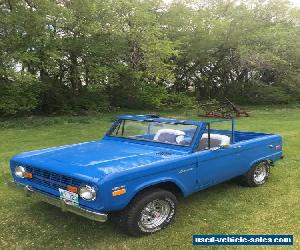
(172, 122)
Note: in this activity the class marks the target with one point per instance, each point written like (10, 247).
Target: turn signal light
(72, 189)
(119, 192)
(28, 175)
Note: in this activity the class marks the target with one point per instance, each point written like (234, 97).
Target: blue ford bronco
(139, 168)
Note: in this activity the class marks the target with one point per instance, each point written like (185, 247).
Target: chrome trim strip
(30, 192)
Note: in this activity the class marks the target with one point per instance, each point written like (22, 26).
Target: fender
(273, 157)
(146, 184)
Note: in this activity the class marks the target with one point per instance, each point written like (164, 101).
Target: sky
(296, 2)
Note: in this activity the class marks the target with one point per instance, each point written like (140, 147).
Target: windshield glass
(170, 133)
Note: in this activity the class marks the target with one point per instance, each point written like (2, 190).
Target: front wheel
(257, 175)
(149, 212)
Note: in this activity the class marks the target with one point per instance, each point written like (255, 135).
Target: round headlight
(87, 193)
(20, 171)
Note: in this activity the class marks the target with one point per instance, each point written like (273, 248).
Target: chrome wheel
(154, 214)
(260, 173)
(257, 175)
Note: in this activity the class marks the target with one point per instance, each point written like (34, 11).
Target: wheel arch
(255, 162)
(166, 185)
(169, 185)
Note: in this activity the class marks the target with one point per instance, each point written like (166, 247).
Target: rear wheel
(257, 175)
(149, 212)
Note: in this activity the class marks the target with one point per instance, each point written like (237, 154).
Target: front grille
(50, 179)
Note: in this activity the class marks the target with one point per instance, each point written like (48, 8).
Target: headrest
(224, 139)
(178, 134)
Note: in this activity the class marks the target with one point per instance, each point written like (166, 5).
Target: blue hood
(94, 160)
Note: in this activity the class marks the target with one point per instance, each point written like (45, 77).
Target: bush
(92, 99)
(130, 90)
(258, 93)
(273, 95)
(151, 96)
(179, 100)
(19, 95)
(60, 99)
(268, 95)
(55, 98)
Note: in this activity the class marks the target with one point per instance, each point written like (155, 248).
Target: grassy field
(224, 209)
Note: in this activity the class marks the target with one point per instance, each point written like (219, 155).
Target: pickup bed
(143, 163)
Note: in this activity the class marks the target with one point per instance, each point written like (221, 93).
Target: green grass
(224, 209)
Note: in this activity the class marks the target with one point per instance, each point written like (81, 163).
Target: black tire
(132, 219)
(251, 179)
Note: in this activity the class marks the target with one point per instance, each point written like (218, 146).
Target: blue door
(218, 165)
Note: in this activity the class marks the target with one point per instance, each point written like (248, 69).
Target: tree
(91, 54)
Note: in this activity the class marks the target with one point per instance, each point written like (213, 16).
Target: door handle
(238, 146)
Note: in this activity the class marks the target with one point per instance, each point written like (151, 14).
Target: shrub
(19, 94)
(61, 99)
(92, 99)
(268, 95)
(151, 96)
(179, 100)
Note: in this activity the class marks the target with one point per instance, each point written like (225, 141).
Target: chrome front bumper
(29, 192)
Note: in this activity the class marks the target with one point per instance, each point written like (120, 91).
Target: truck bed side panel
(267, 147)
